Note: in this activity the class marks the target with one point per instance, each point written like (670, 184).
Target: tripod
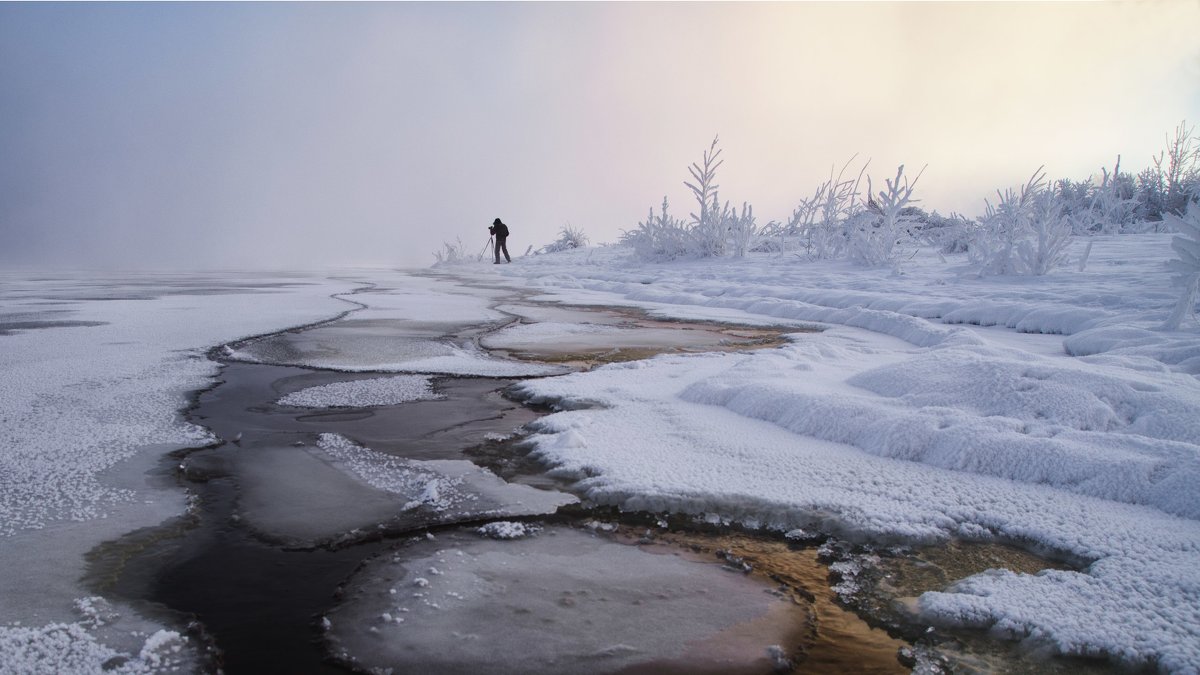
(488, 245)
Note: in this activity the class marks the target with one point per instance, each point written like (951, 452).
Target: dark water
(261, 602)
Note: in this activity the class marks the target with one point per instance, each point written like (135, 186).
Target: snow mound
(1118, 436)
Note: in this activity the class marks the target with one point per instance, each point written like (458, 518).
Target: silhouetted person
(500, 231)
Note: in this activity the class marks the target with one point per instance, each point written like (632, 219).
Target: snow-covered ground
(1048, 410)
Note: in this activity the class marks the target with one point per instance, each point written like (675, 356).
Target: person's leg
(499, 243)
(504, 245)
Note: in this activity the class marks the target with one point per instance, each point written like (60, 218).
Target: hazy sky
(310, 135)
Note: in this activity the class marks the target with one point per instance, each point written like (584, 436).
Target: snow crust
(935, 405)
(364, 393)
(78, 400)
(87, 407)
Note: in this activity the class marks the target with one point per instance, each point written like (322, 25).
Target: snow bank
(934, 407)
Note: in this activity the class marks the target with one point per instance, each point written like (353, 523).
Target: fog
(171, 136)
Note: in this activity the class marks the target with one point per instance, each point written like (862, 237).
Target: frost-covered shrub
(1025, 233)
(660, 237)
(821, 220)
(874, 236)
(450, 253)
(948, 234)
(1046, 247)
(1187, 266)
(741, 229)
(1113, 206)
(568, 238)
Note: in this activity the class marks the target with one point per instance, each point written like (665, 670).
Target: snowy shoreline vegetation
(1025, 232)
(970, 383)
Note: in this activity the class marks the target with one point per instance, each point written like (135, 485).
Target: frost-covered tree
(708, 227)
(715, 229)
(1179, 165)
(1187, 266)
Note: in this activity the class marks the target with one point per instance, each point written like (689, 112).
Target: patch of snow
(508, 530)
(380, 391)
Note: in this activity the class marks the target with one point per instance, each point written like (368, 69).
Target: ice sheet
(339, 491)
(561, 601)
